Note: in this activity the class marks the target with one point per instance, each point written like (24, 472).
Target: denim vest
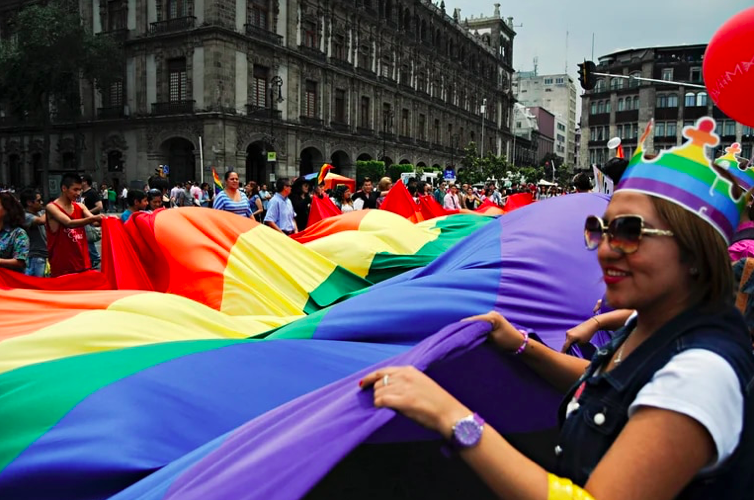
(602, 411)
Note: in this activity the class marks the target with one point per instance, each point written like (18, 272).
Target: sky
(616, 25)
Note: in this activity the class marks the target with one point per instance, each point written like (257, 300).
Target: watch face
(467, 433)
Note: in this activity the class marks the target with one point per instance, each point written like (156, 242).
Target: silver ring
(385, 379)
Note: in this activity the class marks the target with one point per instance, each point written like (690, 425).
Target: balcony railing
(65, 114)
(365, 71)
(364, 131)
(256, 111)
(310, 121)
(173, 107)
(405, 139)
(341, 63)
(110, 113)
(172, 25)
(387, 136)
(422, 144)
(263, 34)
(340, 127)
(312, 52)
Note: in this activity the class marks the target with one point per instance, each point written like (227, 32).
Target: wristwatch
(467, 432)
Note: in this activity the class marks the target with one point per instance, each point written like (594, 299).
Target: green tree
(41, 68)
(373, 169)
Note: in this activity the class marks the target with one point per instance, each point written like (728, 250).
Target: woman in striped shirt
(232, 199)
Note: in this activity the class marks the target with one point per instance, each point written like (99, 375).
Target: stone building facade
(619, 107)
(311, 81)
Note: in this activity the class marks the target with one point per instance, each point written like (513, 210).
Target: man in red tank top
(66, 237)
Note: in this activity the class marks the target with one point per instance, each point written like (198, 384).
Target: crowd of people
(31, 232)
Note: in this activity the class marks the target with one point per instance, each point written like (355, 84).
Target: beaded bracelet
(523, 344)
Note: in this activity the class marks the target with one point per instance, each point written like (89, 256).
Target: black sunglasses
(623, 232)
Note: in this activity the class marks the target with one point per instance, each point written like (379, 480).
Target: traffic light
(586, 75)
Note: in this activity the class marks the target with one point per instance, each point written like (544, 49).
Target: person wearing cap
(666, 409)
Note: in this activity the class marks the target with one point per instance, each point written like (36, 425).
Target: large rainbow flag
(229, 370)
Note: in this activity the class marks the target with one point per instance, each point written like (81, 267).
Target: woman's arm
(557, 369)
(584, 332)
(655, 456)
(13, 264)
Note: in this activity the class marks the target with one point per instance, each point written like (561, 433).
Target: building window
(340, 105)
(688, 123)
(406, 75)
(259, 14)
(633, 82)
(561, 127)
(310, 101)
(601, 107)
(730, 128)
(636, 102)
(559, 81)
(177, 8)
(662, 101)
(422, 132)
(113, 97)
(689, 100)
(670, 129)
(178, 80)
(116, 16)
(548, 81)
(621, 104)
(746, 151)
(701, 99)
(405, 123)
(660, 129)
(387, 117)
(310, 37)
(696, 75)
(386, 70)
(619, 131)
(667, 74)
(364, 112)
(672, 100)
(614, 82)
(607, 106)
(365, 59)
(436, 132)
(339, 47)
(600, 86)
(747, 131)
(259, 86)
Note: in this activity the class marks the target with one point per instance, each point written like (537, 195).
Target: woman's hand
(505, 335)
(581, 334)
(416, 396)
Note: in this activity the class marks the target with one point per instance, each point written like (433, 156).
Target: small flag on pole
(323, 173)
(217, 181)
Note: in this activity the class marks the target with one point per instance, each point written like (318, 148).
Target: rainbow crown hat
(743, 172)
(684, 175)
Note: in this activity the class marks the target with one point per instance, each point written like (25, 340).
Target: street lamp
(453, 146)
(275, 83)
(387, 119)
(484, 110)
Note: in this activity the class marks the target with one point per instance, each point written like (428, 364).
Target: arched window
(672, 100)
(600, 85)
(701, 99)
(601, 107)
(689, 100)
(615, 83)
(621, 104)
(636, 102)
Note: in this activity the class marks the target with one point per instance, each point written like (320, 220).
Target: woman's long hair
(14, 212)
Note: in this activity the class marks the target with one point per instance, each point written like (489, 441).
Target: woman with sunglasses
(666, 410)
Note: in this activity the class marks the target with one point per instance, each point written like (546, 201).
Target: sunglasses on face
(623, 232)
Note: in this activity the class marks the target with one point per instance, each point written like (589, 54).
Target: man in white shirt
(451, 199)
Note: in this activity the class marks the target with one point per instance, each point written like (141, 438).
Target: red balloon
(729, 67)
